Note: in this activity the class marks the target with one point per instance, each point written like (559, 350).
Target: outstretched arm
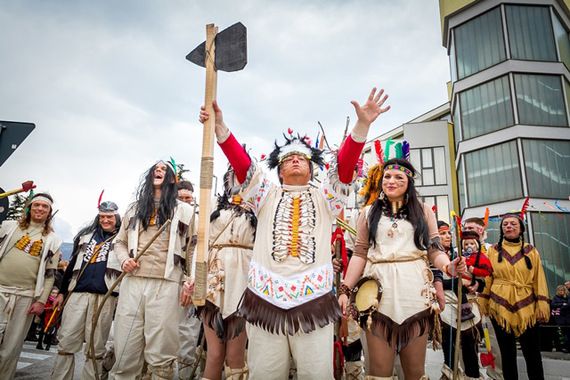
(238, 158)
(352, 146)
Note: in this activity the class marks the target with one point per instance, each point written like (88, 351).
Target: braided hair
(521, 238)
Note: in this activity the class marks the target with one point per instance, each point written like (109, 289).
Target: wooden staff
(206, 170)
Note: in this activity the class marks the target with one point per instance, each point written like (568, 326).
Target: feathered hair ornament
(524, 208)
(372, 185)
(379, 152)
(294, 145)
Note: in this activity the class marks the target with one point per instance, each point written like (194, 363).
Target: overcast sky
(110, 91)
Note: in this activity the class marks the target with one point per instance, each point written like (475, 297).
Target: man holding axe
(289, 303)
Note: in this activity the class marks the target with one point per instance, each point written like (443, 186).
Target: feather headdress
(294, 145)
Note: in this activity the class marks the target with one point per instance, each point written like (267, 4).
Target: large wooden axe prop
(26, 186)
(226, 51)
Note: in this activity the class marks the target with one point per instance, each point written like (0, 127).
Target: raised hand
(220, 126)
(372, 108)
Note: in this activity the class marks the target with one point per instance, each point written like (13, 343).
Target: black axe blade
(231, 49)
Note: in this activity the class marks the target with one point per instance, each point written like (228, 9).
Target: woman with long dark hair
(516, 298)
(147, 317)
(396, 236)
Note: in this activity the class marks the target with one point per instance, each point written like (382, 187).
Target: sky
(110, 91)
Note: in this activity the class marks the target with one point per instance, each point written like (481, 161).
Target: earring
(381, 196)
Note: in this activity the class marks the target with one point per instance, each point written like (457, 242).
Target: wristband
(343, 289)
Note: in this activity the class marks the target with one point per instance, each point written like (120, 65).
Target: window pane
(416, 163)
(427, 177)
(479, 43)
(530, 33)
(426, 158)
(547, 165)
(540, 100)
(461, 185)
(485, 166)
(442, 211)
(456, 125)
(563, 41)
(440, 166)
(552, 239)
(486, 108)
(452, 66)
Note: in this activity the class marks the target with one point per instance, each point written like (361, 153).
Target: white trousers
(189, 331)
(269, 354)
(14, 325)
(146, 328)
(76, 328)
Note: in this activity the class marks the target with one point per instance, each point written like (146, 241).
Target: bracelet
(446, 270)
(343, 289)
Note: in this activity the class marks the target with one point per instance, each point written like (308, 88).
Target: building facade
(510, 108)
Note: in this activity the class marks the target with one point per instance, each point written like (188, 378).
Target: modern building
(510, 107)
(505, 133)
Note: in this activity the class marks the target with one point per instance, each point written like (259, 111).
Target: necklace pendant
(390, 233)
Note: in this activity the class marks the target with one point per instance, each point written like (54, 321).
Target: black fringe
(306, 317)
(50, 273)
(226, 329)
(399, 335)
(112, 273)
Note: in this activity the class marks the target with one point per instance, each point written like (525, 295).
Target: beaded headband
(401, 168)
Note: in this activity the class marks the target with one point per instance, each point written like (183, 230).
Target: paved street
(37, 364)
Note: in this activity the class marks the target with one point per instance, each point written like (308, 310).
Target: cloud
(110, 91)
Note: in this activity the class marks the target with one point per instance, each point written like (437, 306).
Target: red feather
(100, 198)
(486, 218)
(290, 131)
(263, 156)
(524, 207)
(378, 149)
(458, 222)
(434, 208)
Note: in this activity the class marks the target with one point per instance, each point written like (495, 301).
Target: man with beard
(29, 253)
(147, 318)
(86, 280)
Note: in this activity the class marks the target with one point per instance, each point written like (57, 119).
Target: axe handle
(206, 169)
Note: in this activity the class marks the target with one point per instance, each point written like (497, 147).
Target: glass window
(486, 108)
(456, 125)
(430, 165)
(440, 166)
(489, 167)
(547, 165)
(562, 41)
(552, 239)
(427, 175)
(540, 100)
(417, 164)
(442, 211)
(452, 61)
(479, 43)
(426, 158)
(530, 33)
(461, 185)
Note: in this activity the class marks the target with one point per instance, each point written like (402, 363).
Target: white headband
(295, 147)
(43, 199)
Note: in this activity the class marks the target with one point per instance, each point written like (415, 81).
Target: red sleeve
(484, 268)
(347, 158)
(238, 158)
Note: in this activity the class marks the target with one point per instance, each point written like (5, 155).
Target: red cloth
(484, 267)
(48, 310)
(238, 158)
(338, 234)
